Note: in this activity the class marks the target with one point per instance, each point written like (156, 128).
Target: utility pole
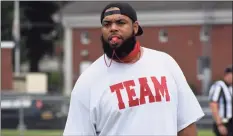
(206, 46)
(16, 36)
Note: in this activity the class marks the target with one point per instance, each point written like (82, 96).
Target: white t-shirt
(149, 97)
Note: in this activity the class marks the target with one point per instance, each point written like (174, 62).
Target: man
(220, 96)
(132, 90)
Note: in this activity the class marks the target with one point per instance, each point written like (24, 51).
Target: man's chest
(146, 95)
(135, 88)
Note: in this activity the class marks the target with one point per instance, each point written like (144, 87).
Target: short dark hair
(229, 69)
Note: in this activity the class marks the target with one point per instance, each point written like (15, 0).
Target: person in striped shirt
(220, 96)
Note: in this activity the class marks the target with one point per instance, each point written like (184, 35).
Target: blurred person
(130, 89)
(220, 96)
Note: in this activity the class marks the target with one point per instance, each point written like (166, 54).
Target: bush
(55, 81)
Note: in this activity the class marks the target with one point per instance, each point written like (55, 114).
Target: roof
(150, 13)
(85, 7)
(7, 44)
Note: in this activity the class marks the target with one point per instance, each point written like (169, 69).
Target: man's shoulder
(94, 68)
(220, 83)
(157, 53)
(90, 75)
(217, 83)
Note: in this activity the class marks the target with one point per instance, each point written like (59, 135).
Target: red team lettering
(160, 89)
(117, 88)
(131, 93)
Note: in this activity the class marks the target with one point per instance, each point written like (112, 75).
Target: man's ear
(135, 27)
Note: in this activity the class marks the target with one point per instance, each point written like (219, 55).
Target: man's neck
(133, 56)
(226, 83)
(133, 59)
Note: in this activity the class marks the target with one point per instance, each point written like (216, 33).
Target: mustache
(121, 51)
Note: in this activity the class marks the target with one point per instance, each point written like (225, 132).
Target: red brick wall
(6, 69)
(183, 44)
(94, 48)
(222, 49)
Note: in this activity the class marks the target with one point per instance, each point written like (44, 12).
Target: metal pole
(21, 125)
(68, 70)
(61, 60)
(16, 35)
(206, 48)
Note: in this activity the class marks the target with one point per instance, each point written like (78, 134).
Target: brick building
(172, 27)
(6, 65)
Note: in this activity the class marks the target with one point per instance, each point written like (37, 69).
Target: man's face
(228, 78)
(119, 27)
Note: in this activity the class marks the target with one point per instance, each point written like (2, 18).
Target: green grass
(13, 132)
(205, 133)
(9, 132)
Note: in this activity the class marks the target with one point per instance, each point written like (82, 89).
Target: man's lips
(114, 36)
(113, 40)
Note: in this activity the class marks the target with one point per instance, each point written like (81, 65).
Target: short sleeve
(78, 119)
(214, 93)
(188, 109)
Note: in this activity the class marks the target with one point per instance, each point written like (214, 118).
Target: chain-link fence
(27, 111)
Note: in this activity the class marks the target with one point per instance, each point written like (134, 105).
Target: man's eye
(105, 24)
(121, 22)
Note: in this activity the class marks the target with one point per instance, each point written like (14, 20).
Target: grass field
(12, 132)
(8, 132)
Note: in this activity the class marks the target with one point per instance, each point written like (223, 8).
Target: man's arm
(189, 110)
(190, 130)
(79, 121)
(214, 109)
(214, 96)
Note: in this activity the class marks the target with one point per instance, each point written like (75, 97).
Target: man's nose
(114, 27)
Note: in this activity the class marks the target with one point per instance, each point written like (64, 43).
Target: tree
(6, 20)
(39, 39)
(7, 15)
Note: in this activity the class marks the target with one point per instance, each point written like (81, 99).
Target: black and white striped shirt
(222, 94)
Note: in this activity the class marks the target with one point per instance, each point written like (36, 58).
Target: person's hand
(222, 130)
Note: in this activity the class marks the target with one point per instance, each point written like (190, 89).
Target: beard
(122, 51)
